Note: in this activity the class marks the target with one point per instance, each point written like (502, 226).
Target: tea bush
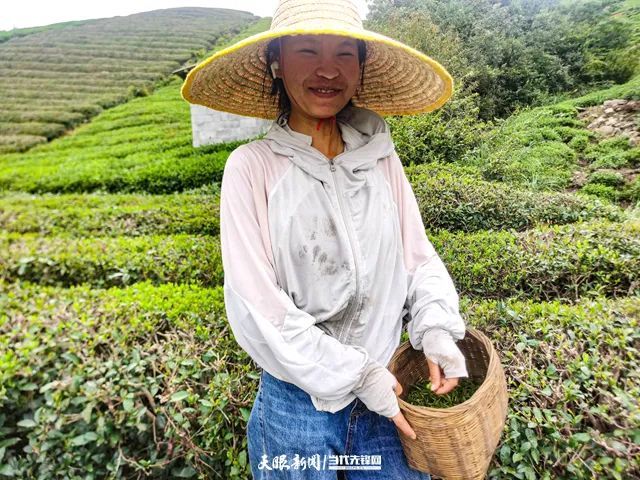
(152, 153)
(582, 259)
(559, 261)
(602, 177)
(540, 148)
(147, 382)
(573, 387)
(143, 382)
(97, 63)
(450, 197)
(114, 215)
(111, 261)
(454, 199)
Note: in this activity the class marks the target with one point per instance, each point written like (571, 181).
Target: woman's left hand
(445, 360)
(439, 383)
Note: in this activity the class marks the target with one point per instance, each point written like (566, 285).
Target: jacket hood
(366, 136)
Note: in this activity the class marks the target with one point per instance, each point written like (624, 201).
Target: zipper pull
(332, 167)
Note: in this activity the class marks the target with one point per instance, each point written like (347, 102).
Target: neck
(325, 134)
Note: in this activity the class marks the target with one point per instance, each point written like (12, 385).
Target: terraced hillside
(56, 78)
(117, 360)
(22, 32)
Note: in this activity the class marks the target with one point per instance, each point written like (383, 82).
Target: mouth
(325, 92)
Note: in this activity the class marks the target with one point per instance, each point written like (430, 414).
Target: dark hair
(278, 92)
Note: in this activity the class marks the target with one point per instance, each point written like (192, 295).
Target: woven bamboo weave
(456, 443)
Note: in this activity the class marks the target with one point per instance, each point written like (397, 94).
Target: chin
(326, 112)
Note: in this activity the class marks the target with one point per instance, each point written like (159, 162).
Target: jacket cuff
(375, 390)
(440, 347)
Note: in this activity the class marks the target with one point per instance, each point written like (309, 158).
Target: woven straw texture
(459, 442)
(398, 80)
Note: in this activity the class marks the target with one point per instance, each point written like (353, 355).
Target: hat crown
(311, 13)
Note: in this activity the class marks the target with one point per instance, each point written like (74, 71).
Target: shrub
(147, 382)
(452, 198)
(122, 383)
(141, 146)
(614, 152)
(597, 257)
(111, 261)
(530, 149)
(566, 262)
(603, 177)
(573, 388)
(601, 191)
(442, 136)
(631, 191)
(130, 215)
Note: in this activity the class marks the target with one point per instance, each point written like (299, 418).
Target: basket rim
(460, 407)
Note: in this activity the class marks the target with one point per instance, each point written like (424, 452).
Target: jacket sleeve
(266, 323)
(432, 299)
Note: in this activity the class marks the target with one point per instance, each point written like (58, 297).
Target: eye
(346, 54)
(306, 50)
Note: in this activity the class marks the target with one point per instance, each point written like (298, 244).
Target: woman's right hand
(399, 419)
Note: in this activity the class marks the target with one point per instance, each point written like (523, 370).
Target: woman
(323, 246)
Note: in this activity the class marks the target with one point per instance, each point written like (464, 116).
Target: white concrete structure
(211, 126)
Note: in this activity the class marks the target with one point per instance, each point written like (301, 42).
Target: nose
(327, 68)
(327, 73)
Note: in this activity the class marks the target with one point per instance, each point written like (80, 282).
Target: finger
(434, 374)
(404, 426)
(448, 385)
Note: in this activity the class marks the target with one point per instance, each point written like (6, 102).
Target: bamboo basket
(456, 443)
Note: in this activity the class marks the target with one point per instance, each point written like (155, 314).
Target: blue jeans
(289, 439)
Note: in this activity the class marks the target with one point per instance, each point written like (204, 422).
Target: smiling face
(320, 73)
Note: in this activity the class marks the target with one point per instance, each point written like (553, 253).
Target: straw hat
(398, 80)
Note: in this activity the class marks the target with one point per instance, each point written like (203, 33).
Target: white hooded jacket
(323, 258)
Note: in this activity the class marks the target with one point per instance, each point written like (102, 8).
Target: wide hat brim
(398, 79)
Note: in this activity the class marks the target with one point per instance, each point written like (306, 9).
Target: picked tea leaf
(422, 396)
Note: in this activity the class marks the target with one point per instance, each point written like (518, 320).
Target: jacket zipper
(355, 258)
